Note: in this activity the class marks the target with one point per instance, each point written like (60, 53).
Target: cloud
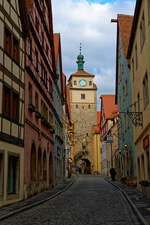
(89, 22)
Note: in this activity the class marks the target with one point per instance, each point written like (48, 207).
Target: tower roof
(80, 60)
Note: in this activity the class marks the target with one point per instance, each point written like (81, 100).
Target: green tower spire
(80, 60)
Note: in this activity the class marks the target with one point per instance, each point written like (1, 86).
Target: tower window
(82, 96)
(90, 83)
(89, 106)
(76, 106)
(75, 82)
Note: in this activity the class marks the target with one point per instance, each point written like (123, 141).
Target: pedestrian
(113, 174)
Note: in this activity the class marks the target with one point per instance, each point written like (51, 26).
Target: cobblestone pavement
(90, 201)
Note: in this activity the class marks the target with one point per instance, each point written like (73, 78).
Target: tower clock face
(82, 83)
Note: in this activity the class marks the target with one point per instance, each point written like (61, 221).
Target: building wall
(125, 125)
(58, 141)
(11, 126)
(137, 77)
(104, 159)
(39, 140)
(97, 167)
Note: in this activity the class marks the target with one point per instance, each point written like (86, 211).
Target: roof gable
(125, 25)
(109, 106)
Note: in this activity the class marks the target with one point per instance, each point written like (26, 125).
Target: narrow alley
(89, 201)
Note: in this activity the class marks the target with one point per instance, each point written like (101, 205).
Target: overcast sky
(88, 22)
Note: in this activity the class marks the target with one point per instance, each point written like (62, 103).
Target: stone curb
(134, 208)
(37, 203)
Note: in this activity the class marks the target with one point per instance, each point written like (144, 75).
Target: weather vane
(80, 47)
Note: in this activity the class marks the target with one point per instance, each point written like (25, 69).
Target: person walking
(113, 174)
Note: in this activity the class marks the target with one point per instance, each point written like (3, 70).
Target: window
(82, 96)
(75, 82)
(136, 57)
(42, 72)
(89, 106)
(7, 41)
(47, 50)
(15, 49)
(50, 88)
(42, 38)
(45, 78)
(6, 102)
(10, 104)
(44, 110)
(36, 60)
(13, 174)
(76, 106)
(37, 24)
(133, 67)
(148, 2)
(128, 122)
(36, 101)
(90, 83)
(126, 87)
(50, 117)
(29, 49)
(123, 93)
(135, 107)
(15, 107)
(142, 31)
(1, 173)
(30, 93)
(120, 72)
(138, 102)
(145, 91)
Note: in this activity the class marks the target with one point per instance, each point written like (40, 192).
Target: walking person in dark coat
(113, 174)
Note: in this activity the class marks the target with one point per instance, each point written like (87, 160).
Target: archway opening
(44, 166)
(39, 164)
(50, 168)
(33, 163)
(86, 166)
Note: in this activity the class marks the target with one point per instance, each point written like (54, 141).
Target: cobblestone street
(89, 201)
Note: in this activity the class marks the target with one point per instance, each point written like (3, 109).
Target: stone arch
(50, 168)
(86, 168)
(33, 162)
(39, 163)
(44, 166)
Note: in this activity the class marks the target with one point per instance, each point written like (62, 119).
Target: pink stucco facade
(39, 109)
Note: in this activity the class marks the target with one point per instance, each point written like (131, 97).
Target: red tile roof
(125, 25)
(96, 128)
(110, 108)
(64, 85)
(98, 117)
(56, 45)
(81, 72)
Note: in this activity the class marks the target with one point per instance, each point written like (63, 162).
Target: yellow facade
(140, 66)
(97, 167)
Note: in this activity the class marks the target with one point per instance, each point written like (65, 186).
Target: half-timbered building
(12, 34)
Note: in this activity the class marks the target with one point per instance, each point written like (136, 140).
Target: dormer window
(75, 82)
(90, 83)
